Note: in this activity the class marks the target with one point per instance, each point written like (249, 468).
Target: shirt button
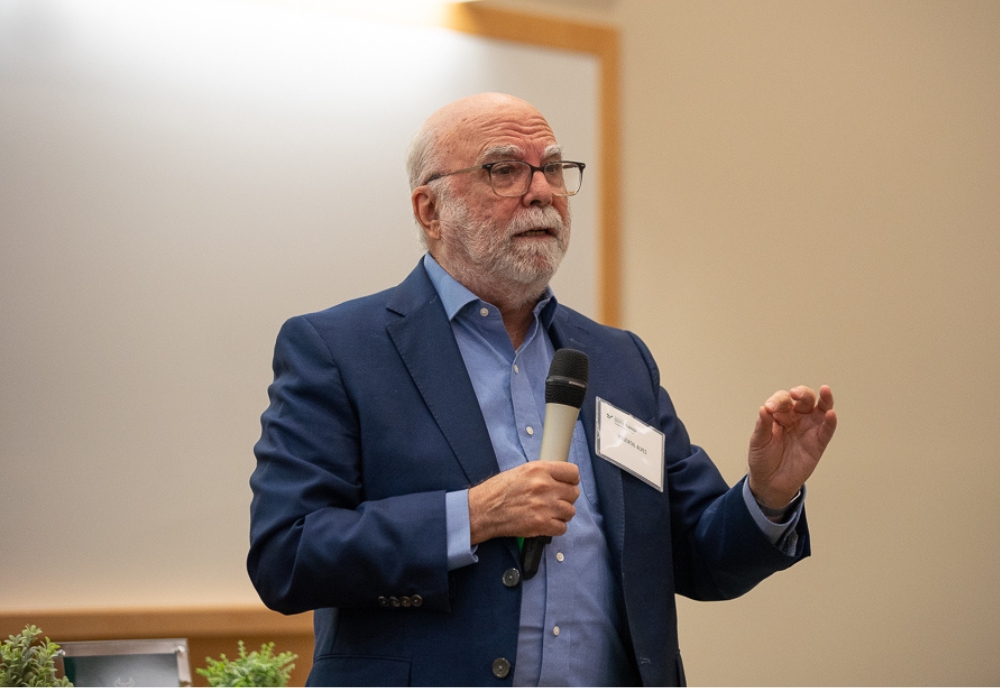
(530, 430)
(511, 577)
(555, 631)
(559, 556)
(484, 312)
(516, 369)
(501, 667)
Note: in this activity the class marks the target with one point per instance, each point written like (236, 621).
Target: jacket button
(501, 667)
(383, 601)
(394, 601)
(417, 600)
(405, 601)
(511, 577)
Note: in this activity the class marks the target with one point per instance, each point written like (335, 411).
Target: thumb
(761, 436)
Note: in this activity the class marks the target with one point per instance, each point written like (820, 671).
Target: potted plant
(262, 668)
(23, 662)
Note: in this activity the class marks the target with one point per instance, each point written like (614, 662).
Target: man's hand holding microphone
(535, 500)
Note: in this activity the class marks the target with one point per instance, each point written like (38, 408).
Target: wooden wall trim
(99, 624)
(598, 40)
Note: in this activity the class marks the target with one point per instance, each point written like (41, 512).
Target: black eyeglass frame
(489, 173)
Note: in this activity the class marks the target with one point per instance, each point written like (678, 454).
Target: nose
(539, 191)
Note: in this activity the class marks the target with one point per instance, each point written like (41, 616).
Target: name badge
(629, 444)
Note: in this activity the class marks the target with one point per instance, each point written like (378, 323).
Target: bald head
(458, 130)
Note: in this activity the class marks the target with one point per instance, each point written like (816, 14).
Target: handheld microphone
(565, 388)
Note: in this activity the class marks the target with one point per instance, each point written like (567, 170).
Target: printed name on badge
(629, 443)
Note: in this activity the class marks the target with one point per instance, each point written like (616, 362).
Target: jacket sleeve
(315, 539)
(719, 552)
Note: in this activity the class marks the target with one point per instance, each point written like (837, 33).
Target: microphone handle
(531, 555)
(557, 432)
(557, 436)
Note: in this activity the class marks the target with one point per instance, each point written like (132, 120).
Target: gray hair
(421, 156)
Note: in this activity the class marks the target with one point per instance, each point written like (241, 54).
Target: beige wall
(811, 194)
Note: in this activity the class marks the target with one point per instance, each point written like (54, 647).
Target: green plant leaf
(258, 668)
(26, 661)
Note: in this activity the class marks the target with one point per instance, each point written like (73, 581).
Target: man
(396, 468)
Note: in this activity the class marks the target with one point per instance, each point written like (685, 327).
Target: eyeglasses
(512, 178)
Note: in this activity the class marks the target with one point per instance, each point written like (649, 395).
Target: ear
(425, 209)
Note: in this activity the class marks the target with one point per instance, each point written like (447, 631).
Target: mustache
(547, 218)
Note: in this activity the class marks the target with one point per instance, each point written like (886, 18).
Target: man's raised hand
(793, 429)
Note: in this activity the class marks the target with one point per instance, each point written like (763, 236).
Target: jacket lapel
(419, 328)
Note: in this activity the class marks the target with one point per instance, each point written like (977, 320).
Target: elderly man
(396, 469)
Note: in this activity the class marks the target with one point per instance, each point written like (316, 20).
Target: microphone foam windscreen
(567, 380)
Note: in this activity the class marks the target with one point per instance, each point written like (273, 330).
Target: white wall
(176, 179)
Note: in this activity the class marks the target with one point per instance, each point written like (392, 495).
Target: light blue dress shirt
(571, 621)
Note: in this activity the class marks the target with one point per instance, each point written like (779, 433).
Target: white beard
(491, 263)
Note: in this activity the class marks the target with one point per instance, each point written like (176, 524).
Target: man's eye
(504, 170)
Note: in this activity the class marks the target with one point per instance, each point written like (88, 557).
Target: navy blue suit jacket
(373, 417)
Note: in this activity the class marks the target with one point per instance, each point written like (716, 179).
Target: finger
(779, 401)
(563, 471)
(549, 471)
(803, 398)
(825, 399)
(566, 493)
(763, 429)
(555, 518)
(556, 527)
(564, 512)
(826, 430)
(550, 481)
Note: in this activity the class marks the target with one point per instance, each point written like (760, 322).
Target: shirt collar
(455, 296)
